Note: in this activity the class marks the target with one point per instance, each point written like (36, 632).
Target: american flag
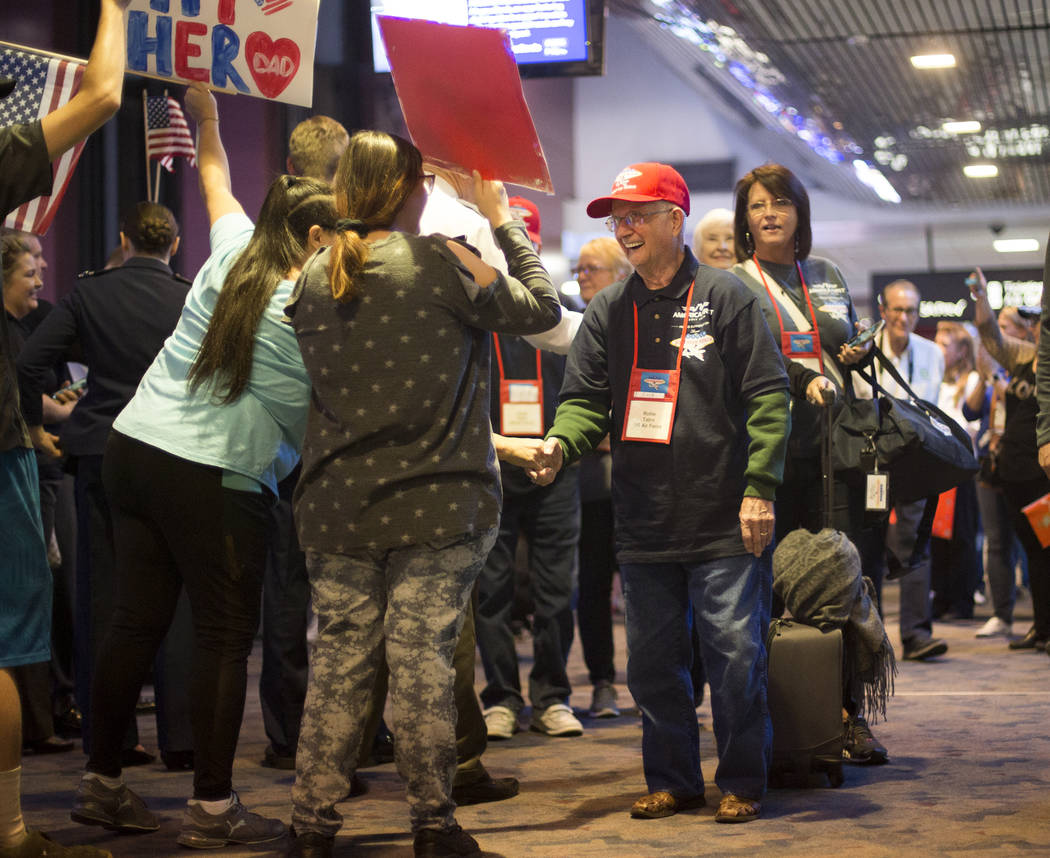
(167, 134)
(45, 83)
(270, 6)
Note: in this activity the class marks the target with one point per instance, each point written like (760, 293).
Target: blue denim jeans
(731, 598)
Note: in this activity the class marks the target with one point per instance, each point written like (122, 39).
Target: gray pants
(413, 600)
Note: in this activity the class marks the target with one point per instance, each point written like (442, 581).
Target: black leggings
(174, 525)
(1019, 495)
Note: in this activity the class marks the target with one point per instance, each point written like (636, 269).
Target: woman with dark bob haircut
(808, 308)
(399, 500)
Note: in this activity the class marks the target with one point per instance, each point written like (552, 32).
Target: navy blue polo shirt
(678, 502)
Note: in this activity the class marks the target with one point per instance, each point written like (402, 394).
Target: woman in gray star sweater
(399, 498)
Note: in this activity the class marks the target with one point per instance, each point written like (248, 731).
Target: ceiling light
(981, 171)
(1015, 245)
(971, 126)
(934, 61)
(876, 181)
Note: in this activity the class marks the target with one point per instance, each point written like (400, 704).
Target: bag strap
(894, 373)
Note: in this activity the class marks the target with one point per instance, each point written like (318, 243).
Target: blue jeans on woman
(730, 597)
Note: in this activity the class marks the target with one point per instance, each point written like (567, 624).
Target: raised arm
(213, 168)
(99, 95)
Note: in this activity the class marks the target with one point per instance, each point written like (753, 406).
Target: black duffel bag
(922, 449)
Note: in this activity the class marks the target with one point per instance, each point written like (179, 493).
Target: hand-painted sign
(461, 96)
(263, 48)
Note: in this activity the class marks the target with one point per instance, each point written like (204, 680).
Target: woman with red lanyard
(808, 308)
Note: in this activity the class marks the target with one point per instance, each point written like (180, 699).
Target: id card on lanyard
(802, 346)
(520, 400)
(652, 396)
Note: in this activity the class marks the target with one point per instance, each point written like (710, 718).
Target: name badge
(799, 344)
(521, 408)
(651, 401)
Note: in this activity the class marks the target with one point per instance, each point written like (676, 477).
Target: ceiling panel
(835, 76)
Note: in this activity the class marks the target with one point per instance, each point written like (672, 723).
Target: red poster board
(461, 96)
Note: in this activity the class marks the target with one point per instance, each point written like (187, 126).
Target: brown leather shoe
(735, 808)
(657, 805)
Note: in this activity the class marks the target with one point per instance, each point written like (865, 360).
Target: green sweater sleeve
(768, 427)
(580, 424)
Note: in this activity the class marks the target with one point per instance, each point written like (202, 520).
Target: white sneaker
(501, 722)
(994, 628)
(556, 720)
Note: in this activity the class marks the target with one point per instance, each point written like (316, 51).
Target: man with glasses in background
(921, 363)
(679, 365)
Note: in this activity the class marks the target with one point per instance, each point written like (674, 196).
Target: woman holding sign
(190, 471)
(399, 498)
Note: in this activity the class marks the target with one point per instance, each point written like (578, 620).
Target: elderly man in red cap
(678, 365)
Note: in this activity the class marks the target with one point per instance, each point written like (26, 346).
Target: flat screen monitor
(549, 39)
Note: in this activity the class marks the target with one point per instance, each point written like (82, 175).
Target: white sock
(214, 807)
(111, 783)
(12, 828)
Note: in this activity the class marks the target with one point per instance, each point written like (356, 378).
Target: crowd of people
(248, 451)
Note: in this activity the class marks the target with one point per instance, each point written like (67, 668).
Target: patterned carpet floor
(968, 776)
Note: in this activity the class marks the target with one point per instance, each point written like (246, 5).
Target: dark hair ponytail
(279, 243)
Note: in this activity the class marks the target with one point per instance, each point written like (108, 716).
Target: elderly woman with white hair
(713, 242)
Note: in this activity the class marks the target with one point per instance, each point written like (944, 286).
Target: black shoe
(135, 757)
(1031, 640)
(178, 761)
(50, 745)
(68, 722)
(489, 789)
(383, 746)
(922, 650)
(310, 844)
(432, 843)
(860, 746)
(274, 760)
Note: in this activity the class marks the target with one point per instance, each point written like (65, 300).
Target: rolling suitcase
(805, 681)
(805, 702)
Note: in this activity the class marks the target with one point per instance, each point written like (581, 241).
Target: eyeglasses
(428, 181)
(903, 311)
(633, 219)
(780, 204)
(588, 269)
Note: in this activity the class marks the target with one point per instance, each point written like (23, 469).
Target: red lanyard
(685, 328)
(780, 319)
(499, 361)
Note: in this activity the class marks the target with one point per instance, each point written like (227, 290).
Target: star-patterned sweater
(398, 448)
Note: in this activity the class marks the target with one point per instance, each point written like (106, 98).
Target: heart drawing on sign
(272, 64)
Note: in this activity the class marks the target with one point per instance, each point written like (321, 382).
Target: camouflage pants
(412, 600)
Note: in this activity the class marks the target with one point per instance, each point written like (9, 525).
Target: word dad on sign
(180, 40)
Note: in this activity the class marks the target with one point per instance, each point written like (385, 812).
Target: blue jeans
(730, 597)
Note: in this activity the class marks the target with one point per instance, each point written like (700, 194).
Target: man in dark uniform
(26, 152)
(115, 321)
(677, 363)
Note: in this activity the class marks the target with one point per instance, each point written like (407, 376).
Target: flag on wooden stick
(167, 134)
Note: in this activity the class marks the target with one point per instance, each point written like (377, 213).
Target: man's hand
(817, 389)
(553, 460)
(45, 442)
(1044, 458)
(756, 524)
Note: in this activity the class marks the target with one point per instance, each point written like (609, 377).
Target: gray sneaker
(203, 830)
(603, 701)
(117, 809)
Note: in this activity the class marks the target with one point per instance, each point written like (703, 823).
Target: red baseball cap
(644, 183)
(526, 210)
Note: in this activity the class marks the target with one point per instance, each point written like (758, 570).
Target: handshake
(541, 459)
